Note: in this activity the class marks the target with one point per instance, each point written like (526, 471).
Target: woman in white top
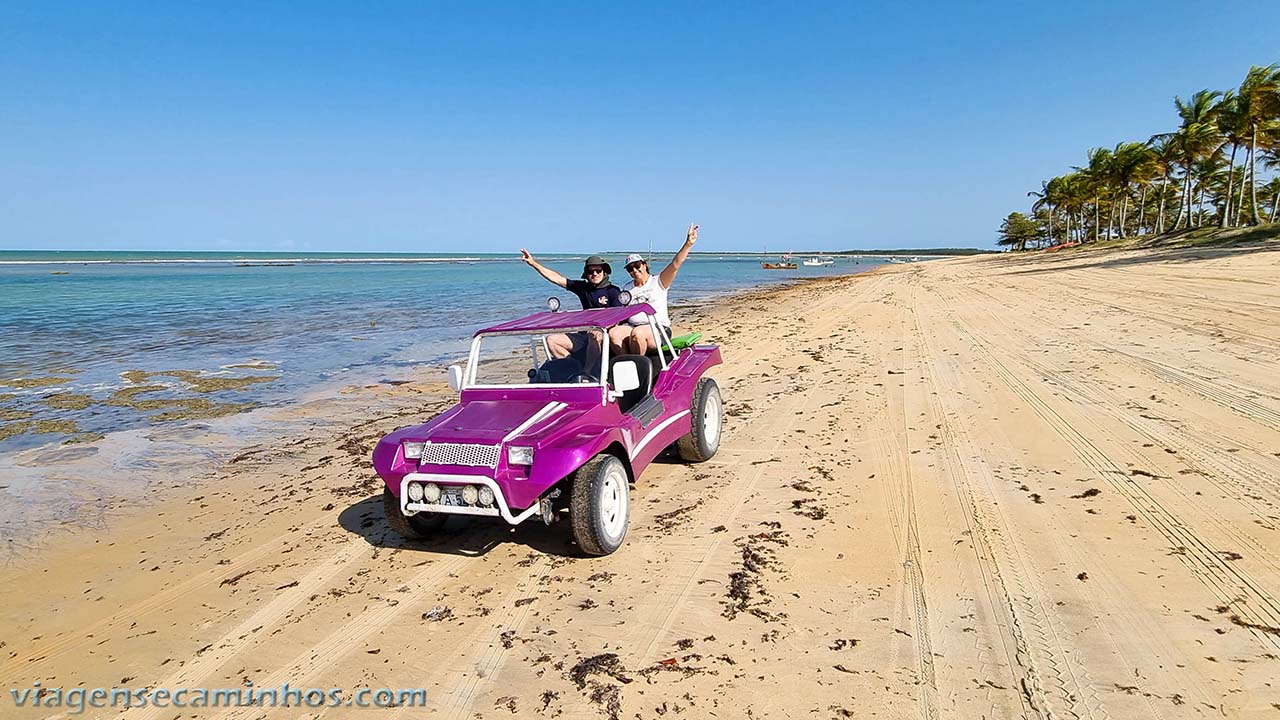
(635, 336)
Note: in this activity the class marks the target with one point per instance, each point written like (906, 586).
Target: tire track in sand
(251, 630)
(1234, 587)
(168, 596)
(678, 586)
(1234, 477)
(347, 637)
(1052, 683)
(899, 488)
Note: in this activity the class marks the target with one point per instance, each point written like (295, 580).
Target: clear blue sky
(571, 127)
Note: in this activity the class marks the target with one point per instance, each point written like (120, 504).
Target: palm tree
(1210, 179)
(1234, 128)
(1130, 162)
(1166, 154)
(1271, 158)
(1098, 175)
(1043, 203)
(1260, 107)
(1052, 197)
(1273, 187)
(1075, 194)
(1196, 137)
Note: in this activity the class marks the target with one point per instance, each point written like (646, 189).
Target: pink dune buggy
(535, 434)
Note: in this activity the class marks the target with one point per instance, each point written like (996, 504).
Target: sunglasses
(633, 269)
(595, 271)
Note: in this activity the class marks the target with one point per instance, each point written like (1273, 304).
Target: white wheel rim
(711, 419)
(613, 503)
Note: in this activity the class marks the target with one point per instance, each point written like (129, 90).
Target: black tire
(410, 527)
(599, 524)
(706, 411)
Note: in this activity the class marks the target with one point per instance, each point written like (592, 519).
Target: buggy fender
(387, 460)
(559, 459)
(675, 384)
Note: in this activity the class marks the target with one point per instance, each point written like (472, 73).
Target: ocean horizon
(159, 257)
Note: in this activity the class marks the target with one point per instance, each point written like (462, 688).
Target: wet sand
(987, 487)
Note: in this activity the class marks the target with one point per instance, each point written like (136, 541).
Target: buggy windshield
(538, 357)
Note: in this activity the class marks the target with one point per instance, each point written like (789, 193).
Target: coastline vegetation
(1216, 169)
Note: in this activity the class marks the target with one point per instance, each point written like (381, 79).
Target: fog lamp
(415, 491)
(486, 496)
(469, 494)
(431, 493)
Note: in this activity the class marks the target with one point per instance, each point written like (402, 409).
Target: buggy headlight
(519, 455)
(486, 496)
(553, 304)
(413, 450)
(415, 492)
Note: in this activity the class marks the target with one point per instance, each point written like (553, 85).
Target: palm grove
(1206, 173)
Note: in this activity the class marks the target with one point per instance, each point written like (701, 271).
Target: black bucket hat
(596, 260)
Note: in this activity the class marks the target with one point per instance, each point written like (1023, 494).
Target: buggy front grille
(460, 454)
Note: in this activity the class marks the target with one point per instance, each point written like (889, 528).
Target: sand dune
(991, 487)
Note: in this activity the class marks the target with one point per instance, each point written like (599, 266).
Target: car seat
(643, 370)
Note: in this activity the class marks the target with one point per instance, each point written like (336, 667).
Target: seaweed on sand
(670, 520)
(607, 695)
(747, 593)
(602, 664)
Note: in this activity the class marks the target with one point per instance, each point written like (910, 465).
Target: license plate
(451, 496)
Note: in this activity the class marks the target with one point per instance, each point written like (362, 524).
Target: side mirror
(625, 376)
(455, 377)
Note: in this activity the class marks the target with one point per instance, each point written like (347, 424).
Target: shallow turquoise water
(318, 318)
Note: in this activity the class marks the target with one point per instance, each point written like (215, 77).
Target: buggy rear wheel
(411, 527)
(707, 414)
(600, 505)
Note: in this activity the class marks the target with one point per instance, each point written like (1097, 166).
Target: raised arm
(668, 274)
(543, 270)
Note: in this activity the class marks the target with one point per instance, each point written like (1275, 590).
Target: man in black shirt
(594, 290)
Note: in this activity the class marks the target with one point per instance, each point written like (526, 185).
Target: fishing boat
(783, 265)
(819, 261)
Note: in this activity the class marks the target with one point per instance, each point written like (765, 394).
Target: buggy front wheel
(600, 505)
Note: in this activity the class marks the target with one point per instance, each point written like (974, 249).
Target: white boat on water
(819, 262)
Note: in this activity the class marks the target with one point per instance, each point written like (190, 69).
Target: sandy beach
(994, 487)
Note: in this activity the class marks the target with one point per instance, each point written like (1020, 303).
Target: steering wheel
(583, 377)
